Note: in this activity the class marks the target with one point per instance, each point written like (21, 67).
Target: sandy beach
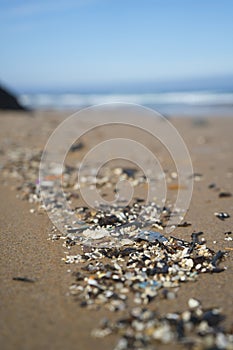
(42, 314)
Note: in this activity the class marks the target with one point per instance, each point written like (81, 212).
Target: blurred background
(172, 55)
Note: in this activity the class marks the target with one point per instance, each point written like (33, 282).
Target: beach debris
(222, 215)
(195, 240)
(153, 266)
(96, 234)
(225, 194)
(212, 185)
(122, 260)
(122, 224)
(193, 303)
(195, 327)
(184, 224)
(76, 147)
(176, 187)
(24, 279)
(130, 172)
(196, 176)
(218, 256)
(222, 193)
(151, 236)
(228, 236)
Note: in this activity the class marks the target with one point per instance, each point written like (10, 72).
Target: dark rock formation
(8, 101)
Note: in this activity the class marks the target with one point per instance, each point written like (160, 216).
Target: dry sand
(41, 315)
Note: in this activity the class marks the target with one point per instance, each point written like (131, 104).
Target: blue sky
(73, 43)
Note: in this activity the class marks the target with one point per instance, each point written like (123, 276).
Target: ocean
(195, 102)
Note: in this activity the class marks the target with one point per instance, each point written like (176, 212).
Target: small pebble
(193, 303)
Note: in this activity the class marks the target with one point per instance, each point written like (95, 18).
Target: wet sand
(41, 315)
